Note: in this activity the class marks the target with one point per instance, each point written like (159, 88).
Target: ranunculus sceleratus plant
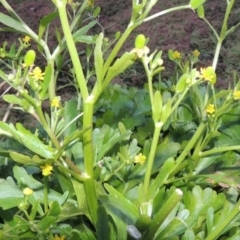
(75, 176)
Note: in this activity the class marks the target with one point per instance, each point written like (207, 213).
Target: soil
(181, 30)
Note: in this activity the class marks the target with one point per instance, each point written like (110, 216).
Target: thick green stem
(150, 160)
(89, 184)
(73, 51)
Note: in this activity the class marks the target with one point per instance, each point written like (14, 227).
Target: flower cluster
(47, 170)
(37, 74)
(208, 74)
(140, 159)
(236, 95)
(210, 109)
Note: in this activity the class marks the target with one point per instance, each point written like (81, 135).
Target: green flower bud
(29, 58)
(140, 41)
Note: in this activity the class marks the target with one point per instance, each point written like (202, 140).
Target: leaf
(45, 83)
(33, 143)
(119, 66)
(11, 22)
(13, 99)
(200, 12)
(82, 31)
(11, 195)
(102, 226)
(162, 176)
(69, 210)
(26, 160)
(196, 3)
(98, 58)
(44, 22)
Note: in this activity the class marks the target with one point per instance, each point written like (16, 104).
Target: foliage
(116, 162)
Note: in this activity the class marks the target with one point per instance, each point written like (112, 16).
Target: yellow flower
(26, 40)
(236, 95)
(37, 74)
(55, 102)
(208, 74)
(27, 191)
(47, 170)
(196, 53)
(176, 55)
(210, 108)
(59, 238)
(139, 159)
(140, 52)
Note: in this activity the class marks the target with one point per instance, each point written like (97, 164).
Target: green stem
(118, 46)
(214, 234)
(73, 51)
(167, 11)
(219, 150)
(222, 33)
(150, 160)
(89, 184)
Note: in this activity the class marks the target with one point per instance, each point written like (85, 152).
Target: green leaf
(33, 143)
(162, 176)
(175, 228)
(79, 34)
(102, 227)
(119, 66)
(181, 84)
(69, 210)
(11, 22)
(200, 12)
(45, 83)
(44, 22)
(157, 106)
(26, 160)
(45, 223)
(11, 195)
(98, 58)
(196, 3)
(13, 99)
(166, 111)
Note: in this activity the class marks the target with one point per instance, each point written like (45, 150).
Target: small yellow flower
(26, 40)
(47, 169)
(196, 53)
(59, 238)
(176, 55)
(236, 95)
(37, 74)
(55, 102)
(141, 52)
(210, 108)
(27, 191)
(208, 74)
(139, 159)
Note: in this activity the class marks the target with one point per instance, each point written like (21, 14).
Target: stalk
(150, 160)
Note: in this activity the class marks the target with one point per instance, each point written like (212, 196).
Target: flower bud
(140, 41)
(29, 58)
